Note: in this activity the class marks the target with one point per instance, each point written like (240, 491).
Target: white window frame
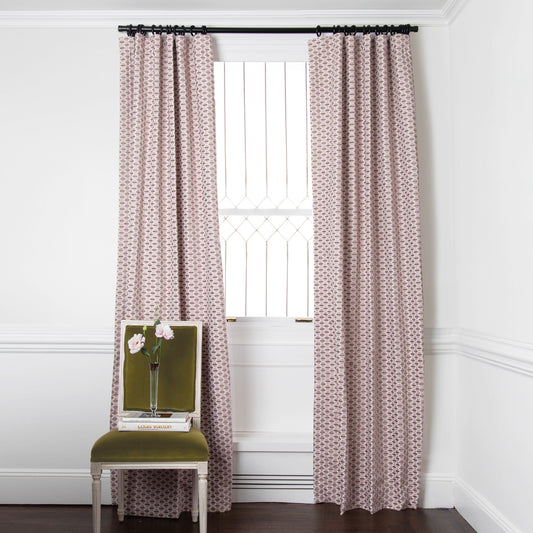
(259, 331)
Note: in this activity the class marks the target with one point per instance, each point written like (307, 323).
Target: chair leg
(194, 510)
(202, 493)
(121, 495)
(96, 473)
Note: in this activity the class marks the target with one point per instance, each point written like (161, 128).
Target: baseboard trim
(482, 515)
(73, 486)
(437, 491)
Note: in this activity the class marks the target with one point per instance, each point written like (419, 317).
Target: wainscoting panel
(50, 486)
(494, 464)
(272, 369)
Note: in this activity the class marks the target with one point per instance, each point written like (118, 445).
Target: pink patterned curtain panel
(368, 283)
(169, 248)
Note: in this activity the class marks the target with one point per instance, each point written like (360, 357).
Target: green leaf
(145, 352)
(157, 346)
(157, 322)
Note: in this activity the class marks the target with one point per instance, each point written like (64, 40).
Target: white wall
(493, 108)
(431, 61)
(59, 142)
(492, 77)
(432, 87)
(59, 152)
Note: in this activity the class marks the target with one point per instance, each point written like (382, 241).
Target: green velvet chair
(179, 390)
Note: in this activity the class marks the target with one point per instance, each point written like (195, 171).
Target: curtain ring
(204, 30)
(318, 31)
(140, 29)
(193, 30)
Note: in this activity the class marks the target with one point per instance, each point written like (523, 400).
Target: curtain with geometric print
(169, 244)
(368, 407)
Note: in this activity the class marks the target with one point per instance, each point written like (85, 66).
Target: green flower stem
(146, 354)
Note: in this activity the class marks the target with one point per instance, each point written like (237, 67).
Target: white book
(143, 416)
(150, 424)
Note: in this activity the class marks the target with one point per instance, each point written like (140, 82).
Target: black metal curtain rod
(319, 30)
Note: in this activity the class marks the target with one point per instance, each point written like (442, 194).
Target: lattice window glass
(264, 188)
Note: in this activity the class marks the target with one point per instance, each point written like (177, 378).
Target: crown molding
(451, 10)
(111, 18)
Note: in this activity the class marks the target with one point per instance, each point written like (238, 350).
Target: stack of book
(142, 421)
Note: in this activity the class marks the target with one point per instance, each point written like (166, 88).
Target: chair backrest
(179, 371)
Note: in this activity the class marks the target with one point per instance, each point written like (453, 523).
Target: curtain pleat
(368, 408)
(169, 247)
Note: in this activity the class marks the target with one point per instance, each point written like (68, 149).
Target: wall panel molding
(439, 341)
(251, 343)
(507, 354)
(49, 486)
(511, 355)
(28, 339)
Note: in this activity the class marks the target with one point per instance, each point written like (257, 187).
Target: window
(264, 188)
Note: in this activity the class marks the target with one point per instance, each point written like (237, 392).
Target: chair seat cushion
(149, 446)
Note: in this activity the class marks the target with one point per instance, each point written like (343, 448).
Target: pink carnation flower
(165, 331)
(136, 343)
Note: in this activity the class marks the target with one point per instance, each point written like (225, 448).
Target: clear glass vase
(154, 381)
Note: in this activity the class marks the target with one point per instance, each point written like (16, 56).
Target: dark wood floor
(243, 518)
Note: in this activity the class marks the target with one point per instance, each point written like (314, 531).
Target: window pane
(264, 188)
